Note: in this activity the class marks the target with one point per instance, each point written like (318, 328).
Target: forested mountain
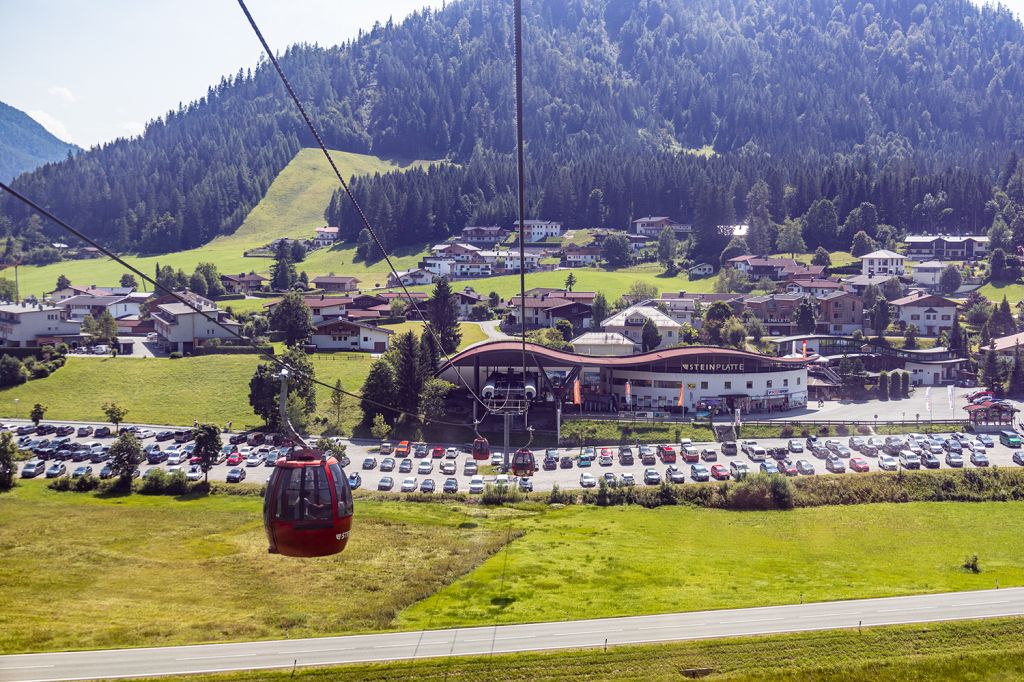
(817, 98)
(24, 144)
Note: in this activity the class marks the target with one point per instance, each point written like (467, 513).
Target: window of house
(703, 384)
(768, 383)
(750, 384)
(728, 385)
(785, 382)
(798, 381)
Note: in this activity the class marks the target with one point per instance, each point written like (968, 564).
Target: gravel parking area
(358, 451)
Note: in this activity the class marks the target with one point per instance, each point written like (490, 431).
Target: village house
(931, 314)
(1008, 345)
(539, 230)
(814, 287)
(652, 226)
(840, 312)
(488, 236)
(946, 247)
(410, 278)
(243, 283)
(183, 329)
(323, 308)
(574, 256)
(336, 283)
(883, 262)
(23, 324)
(325, 237)
(342, 335)
(630, 323)
(544, 308)
(58, 295)
(858, 283)
(466, 300)
(701, 270)
(927, 274)
(602, 343)
(777, 269)
(776, 311)
(94, 305)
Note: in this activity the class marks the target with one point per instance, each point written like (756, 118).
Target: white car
(194, 473)
(448, 468)
(587, 480)
(502, 480)
(497, 459)
(627, 479)
(476, 485)
(146, 433)
(887, 463)
(425, 468)
(451, 453)
(254, 459)
(409, 485)
(176, 458)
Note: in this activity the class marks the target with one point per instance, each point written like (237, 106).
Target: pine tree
(667, 247)
(282, 272)
(443, 316)
(207, 447)
(570, 281)
(991, 374)
(429, 356)
(63, 282)
(805, 317)
(650, 338)
(599, 309)
(378, 389)
(956, 336)
(1015, 383)
(883, 386)
(408, 376)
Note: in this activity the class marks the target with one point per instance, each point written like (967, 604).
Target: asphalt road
(511, 638)
(999, 456)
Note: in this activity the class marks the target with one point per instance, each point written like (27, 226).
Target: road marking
(755, 620)
(26, 667)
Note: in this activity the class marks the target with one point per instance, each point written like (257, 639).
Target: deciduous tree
(293, 318)
(125, 456)
(207, 447)
(115, 414)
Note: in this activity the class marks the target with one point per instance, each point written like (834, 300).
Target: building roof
(837, 294)
(91, 299)
(316, 302)
(23, 307)
(883, 253)
(327, 229)
(330, 325)
(930, 265)
(1005, 343)
(335, 279)
(648, 311)
(602, 339)
(764, 298)
(928, 238)
(920, 298)
(816, 283)
(865, 280)
(246, 277)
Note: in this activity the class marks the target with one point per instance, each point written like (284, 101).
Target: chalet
(325, 237)
(932, 314)
(455, 251)
(58, 295)
(546, 309)
(536, 231)
(336, 283)
(883, 262)
(814, 287)
(927, 274)
(350, 335)
(484, 235)
(574, 256)
(182, 329)
(1008, 345)
(858, 283)
(653, 226)
(466, 300)
(243, 283)
(323, 308)
(458, 269)
(682, 310)
(78, 307)
(946, 247)
(630, 323)
(777, 269)
(551, 292)
(776, 311)
(840, 312)
(412, 277)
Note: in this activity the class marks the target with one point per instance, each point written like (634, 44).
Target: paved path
(511, 638)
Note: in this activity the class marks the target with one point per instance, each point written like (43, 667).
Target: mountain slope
(25, 145)
(891, 81)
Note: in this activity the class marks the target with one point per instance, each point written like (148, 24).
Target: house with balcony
(350, 335)
(775, 269)
(813, 286)
(22, 325)
(243, 283)
(630, 323)
(322, 308)
(325, 237)
(410, 278)
(776, 311)
(79, 306)
(336, 283)
(927, 274)
(545, 307)
(840, 312)
(652, 226)
(931, 313)
(182, 329)
(574, 256)
(536, 231)
(883, 262)
(946, 247)
(487, 236)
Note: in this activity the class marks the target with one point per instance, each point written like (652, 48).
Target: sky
(92, 71)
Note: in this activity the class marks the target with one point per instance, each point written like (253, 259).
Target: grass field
(212, 388)
(293, 207)
(580, 564)
(471, 331)
(967, 650)
(145, 562)
(838, 258)
(85, 572)
(1014, 293)
(613, 283)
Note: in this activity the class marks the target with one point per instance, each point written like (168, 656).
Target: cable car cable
(352, 198)
(183, 300)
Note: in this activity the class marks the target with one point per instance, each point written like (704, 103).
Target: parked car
(56, 469)
(690, 454)
(887, 463)
(795, 446)
(236, 475)
(979, 459)
(427, 486)
(835, 465)
(729, 448)
(448, 468)
(425, 468)
(606, 459)
(739, 470)
(476, 485)
(409, 485)
(65, 430)
(719, 472)
(451, 453)
(405, 466)
(587, 480)
(420, 450)
(859, 464)
(33, 469)
(908, 460)
(385, 483)
(986, 440)
(526, 484)
(469, 468)
(403, 449)
(652, 477)
(787, 467)
(387, 448)
(699, 472)
(79, 472)
(236, 439)
(648, 457)
(194, 473)
(674, 475)
(161, 436)
(369, 463)
(709, 455)
(451, 485)
(954, 459)
(550, 462)
(929, 461)
(627, 479)
(387, 464)
(769, 467)
(626, 456)
(1018, 457)
(856, 443)
(233, 460)
(804, 468)
(255, 459)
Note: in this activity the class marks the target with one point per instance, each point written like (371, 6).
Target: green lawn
(83, 572)
(131, 571)
(586, 563)
(613, 283)
(293, 207)
(839, 258)
(211, 388)
(471, 331)
(1014, 293)
(967, 650)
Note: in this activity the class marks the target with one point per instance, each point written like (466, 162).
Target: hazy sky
(91, 71)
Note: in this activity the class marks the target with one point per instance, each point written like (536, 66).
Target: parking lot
(567, 467)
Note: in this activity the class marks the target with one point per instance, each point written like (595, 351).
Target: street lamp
(876, 421)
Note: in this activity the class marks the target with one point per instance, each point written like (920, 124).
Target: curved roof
(510, 353)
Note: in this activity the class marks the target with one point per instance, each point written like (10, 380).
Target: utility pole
(508, 428)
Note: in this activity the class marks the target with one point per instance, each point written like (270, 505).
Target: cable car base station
(693, 381)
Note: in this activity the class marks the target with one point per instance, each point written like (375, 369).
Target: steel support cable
(185, 301)
(517, 7)
(362, 216)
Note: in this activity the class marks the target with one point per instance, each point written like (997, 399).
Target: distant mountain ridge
(25, 144)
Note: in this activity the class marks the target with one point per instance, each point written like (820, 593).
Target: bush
(842, 430)
(497, 495)
(61, 485)
(787, 431)
(175, 355)
(864, 430)
(84, 484)
(758, 492)
(154, 483)
(971, 564)
(40, 371)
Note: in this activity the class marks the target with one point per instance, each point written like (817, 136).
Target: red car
(719, 472)
(437, 452)
(403, 449)
(235, 458)
(858, 464)
(667, 454)
(787, 467)
(979, 394)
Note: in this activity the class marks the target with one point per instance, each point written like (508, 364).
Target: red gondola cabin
(481, 449)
